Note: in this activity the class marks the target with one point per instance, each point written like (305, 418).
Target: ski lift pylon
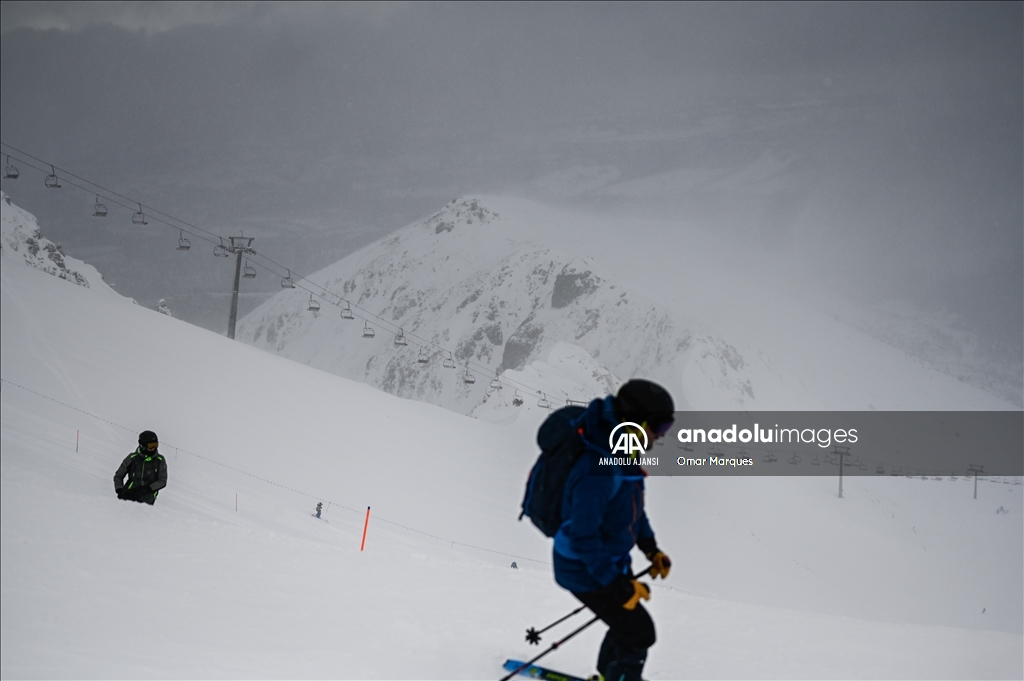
(11, 170)
(99, 210)
(51, 180)
(183, 243)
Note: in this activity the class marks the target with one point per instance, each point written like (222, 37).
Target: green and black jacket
(146, 472)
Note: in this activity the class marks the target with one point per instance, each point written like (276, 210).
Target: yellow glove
(640, 591)
(660, 564)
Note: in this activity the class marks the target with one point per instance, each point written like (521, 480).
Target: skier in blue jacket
(603, 518)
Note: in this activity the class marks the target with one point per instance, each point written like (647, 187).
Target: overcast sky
(319, 128)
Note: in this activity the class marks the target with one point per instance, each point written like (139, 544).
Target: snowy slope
(774, 578)
(496, 284)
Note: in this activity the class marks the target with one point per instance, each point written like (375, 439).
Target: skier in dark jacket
(603, 518)
(145, 469)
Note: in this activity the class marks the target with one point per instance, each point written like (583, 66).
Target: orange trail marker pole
(366, 524)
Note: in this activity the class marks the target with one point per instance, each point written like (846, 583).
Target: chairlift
(400, 338)
(543, 402)
(495, 384)
(368, 331)
(346, 312)
(766, 458)
(139, 218)
(772, 457)
(99, 210)
(11, 170)
(51, 180)
(880, 470)
(468, 377)
(794, 459)
(288, 282)
(249, 272)
(423, 357)
(314, 305)
(183, 243)
(220, 250)
(517, 401)
(448, 362)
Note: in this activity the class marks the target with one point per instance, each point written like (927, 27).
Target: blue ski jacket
(603, 514)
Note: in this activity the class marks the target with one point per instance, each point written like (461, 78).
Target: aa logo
(628, 442)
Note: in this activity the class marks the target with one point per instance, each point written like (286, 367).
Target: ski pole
(556, 644)
(533, 635)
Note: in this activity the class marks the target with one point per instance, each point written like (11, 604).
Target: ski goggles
(151, 446)
(660, 429)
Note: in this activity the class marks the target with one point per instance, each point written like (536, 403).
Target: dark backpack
(560, 446)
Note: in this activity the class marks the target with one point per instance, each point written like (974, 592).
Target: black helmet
(147, 436)
(640, 400)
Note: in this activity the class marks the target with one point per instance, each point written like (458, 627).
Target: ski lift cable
(107, 193)
(133, 207)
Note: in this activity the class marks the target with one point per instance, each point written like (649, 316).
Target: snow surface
(773, 577)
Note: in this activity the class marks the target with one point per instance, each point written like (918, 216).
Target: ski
(534, 672)
(324, 519)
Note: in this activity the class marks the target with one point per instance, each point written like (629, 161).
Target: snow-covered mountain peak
(22, 240)
(462, 212)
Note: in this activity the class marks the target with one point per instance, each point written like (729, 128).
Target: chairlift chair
(51, 180)
(400, 338)
(11, 170)
(368, 331)
(249, 272)
(543, 402)
(346, 312)
(495, 383)
(99, 210)
(288, 282)
(517, 401)
(794, 459)
(221, 251)
(183, 243)
(880, 470)
(314, 305)
(423, 357)
(448, 362)
(139, 218)
(468, 377)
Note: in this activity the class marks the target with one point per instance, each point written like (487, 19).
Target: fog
(881, 143)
